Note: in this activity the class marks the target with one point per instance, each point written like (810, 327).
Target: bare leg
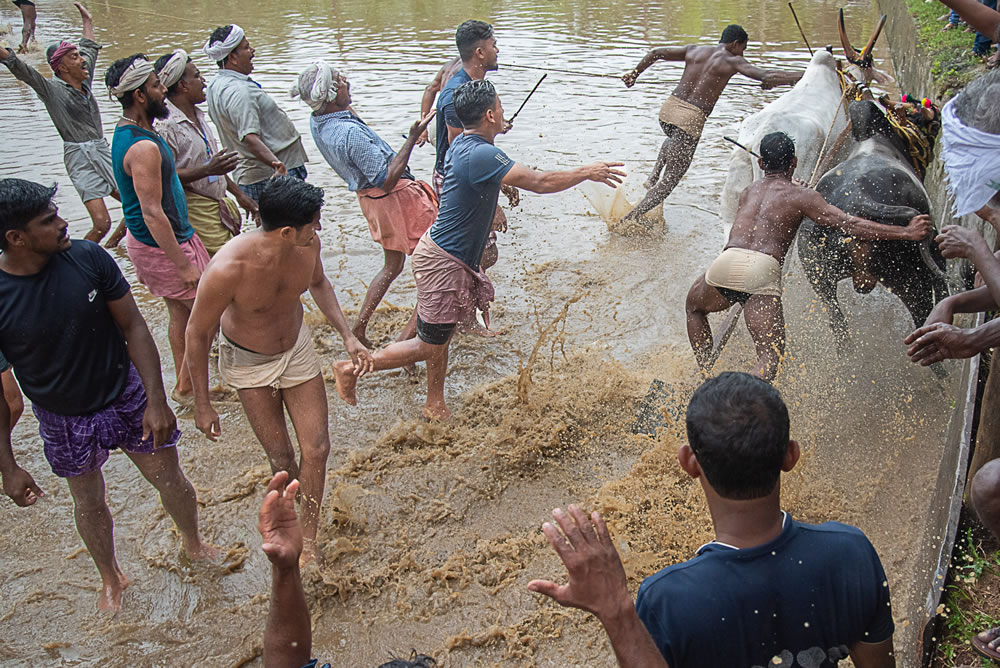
(96, 528)
(306, 404)
(394, 261)
(28, 15)
(179, 311)
(661, 161)
(985, 493)
(116, 236)
(399, 354)
(766, 323)
(437, 367)
(702, 299)
(163, 471)
(266, 414)
(677, 151)
(12, 395)
(99, 218)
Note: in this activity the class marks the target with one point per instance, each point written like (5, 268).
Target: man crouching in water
(252, 287)
(749, 270)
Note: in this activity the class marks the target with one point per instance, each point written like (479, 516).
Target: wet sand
(430, 533)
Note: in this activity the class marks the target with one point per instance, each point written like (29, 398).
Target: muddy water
(430, 532)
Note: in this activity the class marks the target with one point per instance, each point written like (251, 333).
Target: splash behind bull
(877, 181)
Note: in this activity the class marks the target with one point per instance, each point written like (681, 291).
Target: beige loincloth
(684, 115)
(747, 271)
(243, 369)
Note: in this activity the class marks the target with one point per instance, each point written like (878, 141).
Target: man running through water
(447, 260)
(707, 71)
(749, 269)
(28, 16)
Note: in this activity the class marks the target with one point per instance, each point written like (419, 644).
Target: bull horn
(849, 51)
(866, 53)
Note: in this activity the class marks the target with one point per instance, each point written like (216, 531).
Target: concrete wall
(913, 66)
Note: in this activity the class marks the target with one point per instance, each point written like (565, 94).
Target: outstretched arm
(659, 53)
(288, 634)
(399, 162)
(536, 181)
(433, 88)
(88, 22)
(986, 21)
(826, 214)
(326, 299)
(597, 584)
(26, 73)
(767, 78)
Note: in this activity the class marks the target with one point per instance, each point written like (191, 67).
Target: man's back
(265, 282)
(707, 70)
(805, 598)
(768, 216)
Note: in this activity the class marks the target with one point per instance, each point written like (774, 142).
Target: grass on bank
(971, 600)
(953, 66)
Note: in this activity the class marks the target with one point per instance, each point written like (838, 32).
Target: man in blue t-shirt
(167, 255)
(84, 356)
(446, 261)
(767, 591)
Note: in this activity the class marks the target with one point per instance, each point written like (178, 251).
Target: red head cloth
(57, 55)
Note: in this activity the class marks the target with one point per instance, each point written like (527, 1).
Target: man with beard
(201, 167)
(168, 256)
(73, 109)
(248, 119)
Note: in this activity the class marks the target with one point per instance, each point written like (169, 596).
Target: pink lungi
(155, 270)
(398, 219)
(447, 288)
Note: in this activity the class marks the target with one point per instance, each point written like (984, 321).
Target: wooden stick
(733, 141)
(728, 326)
(801, 32)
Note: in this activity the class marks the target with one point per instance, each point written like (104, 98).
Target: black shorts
(24, 2)
(433, 333)
(734, 296)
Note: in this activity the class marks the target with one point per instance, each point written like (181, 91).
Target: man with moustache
(167, 255)
(248, 119)
(71, 104)
(201, 167)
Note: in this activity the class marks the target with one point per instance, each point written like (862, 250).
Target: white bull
(805, 113)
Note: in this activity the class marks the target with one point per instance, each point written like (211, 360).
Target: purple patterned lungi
(79, 444)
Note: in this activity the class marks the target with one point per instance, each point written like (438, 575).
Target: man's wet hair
(472, 100)
(20, 201)
(469, 35)
(161, 63)
(777, 150)
(114, 74)
(734, 33)
(287, 201)
(737, 426)
(219, 35)
(415, 661)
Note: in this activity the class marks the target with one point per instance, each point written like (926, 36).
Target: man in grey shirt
(73, 109)
(248, 119)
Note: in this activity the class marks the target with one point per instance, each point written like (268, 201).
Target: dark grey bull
(877, 182)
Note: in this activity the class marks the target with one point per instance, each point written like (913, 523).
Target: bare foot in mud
(473, 327)
(347, 382)
(110, 598)
(203, 552)
(436, 413)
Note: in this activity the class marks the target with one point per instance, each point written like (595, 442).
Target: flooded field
(430, 533)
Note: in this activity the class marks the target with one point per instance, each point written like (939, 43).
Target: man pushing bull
(707, 71)
(749, 269)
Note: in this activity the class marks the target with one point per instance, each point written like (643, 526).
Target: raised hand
(419, 128)
(278, 524)
(597, 581)
(84, 14)
(629, 78)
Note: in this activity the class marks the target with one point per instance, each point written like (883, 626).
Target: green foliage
(953, 65)
(967, 609)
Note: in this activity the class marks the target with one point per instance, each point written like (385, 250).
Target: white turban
(134, 76)
(972, 161)
(317, 85)
(219, 50)
(173, 69)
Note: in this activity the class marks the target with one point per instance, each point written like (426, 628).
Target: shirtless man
(749, 269)
(707, 71)
(252, 286)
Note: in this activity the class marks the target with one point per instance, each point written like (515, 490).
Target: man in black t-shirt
(84, 356)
